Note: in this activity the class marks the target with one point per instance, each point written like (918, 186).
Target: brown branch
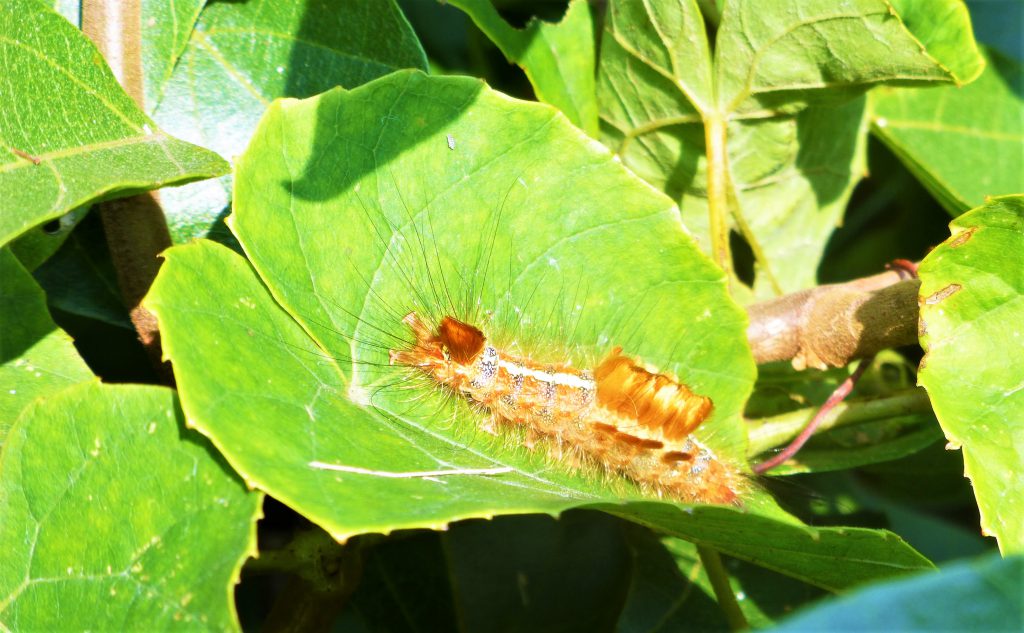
(135, 227)
(834, 324)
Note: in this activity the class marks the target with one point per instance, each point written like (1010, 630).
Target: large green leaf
(799, 52)
(353, 226)
(963, 143)
(89, 141)
(107, 500)
(792, 174)
(241, 56)
(36, 358)
(971, 314)
(558, 58)
(981, 595)
(272, 401)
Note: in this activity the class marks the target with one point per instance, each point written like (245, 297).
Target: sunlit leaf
(169, 555)
(972, 313)
(69, 134)
(351, 226)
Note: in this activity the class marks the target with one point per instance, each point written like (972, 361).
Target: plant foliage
(571, 176)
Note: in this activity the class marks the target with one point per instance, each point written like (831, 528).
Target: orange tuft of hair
(656, 401)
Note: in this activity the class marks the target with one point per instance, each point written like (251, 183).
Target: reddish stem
(907, 269)
(840, 394)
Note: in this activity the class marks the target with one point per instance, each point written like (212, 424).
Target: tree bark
(135, 226)
(834, 324)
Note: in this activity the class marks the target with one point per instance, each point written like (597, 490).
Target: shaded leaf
(90, 141)
(871, 443)
(964, 143)
(487, 225)
(534, 573)
(37, 245)
(242, 56)
(405, 583)
(671, 591)
(36, 358)
(73, 457)
(982, 595)
(558, 58)
(973, 369)
(997, 24)
(80, 279)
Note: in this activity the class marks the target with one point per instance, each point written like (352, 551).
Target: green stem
(718, 188)
(720, 583)
(767, 433)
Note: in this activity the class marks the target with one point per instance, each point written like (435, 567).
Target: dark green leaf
(997, 24)
(79, 278)
(535, 573)
(671, 591)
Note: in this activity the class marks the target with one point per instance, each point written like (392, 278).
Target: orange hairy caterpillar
(620, 415)
(434, 279)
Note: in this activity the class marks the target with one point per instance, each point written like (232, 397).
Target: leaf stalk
(715, 135)
(719, 578)
(767, 433)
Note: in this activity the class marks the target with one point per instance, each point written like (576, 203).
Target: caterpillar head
(443, 352)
